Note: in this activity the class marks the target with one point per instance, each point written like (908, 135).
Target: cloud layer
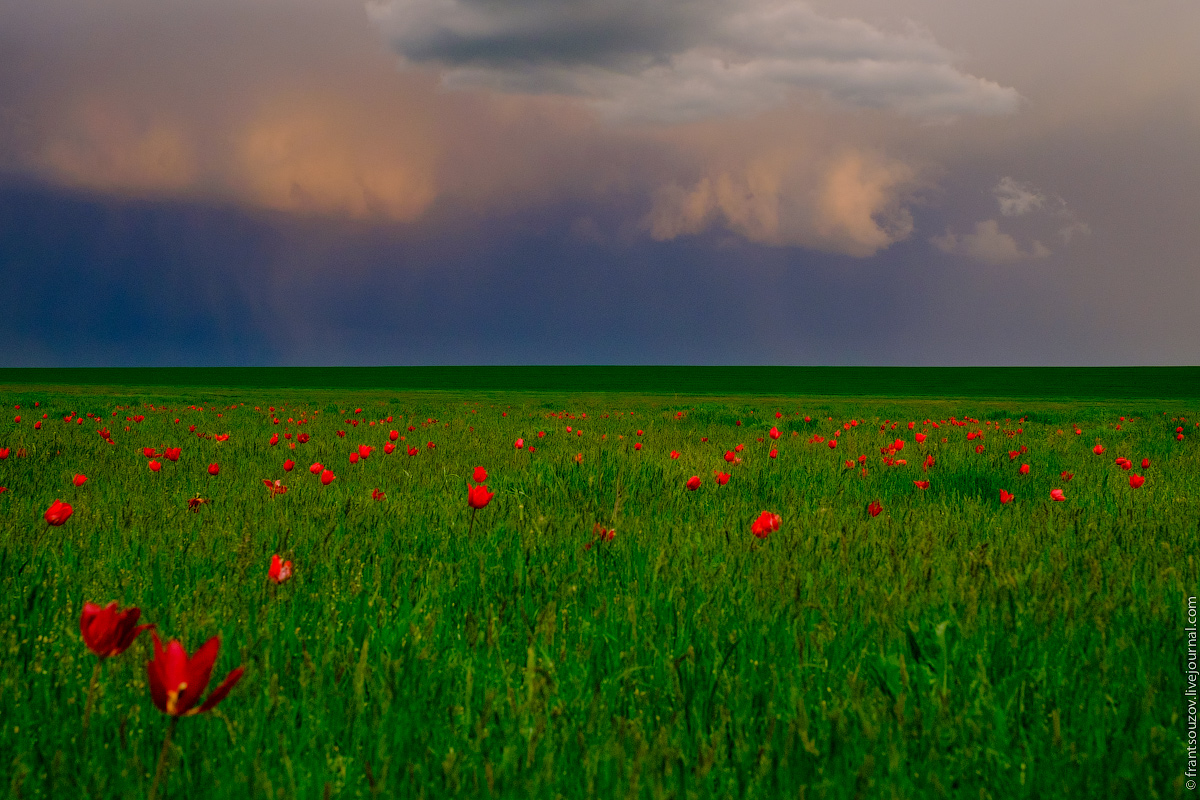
(670, 61)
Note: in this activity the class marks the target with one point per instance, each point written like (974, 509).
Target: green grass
(950, 646)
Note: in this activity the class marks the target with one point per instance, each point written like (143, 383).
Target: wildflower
(765, 524)
(172, 453)
(1057, 495)
(693, 483)
(327, 477)
(213, 469)
(874, 508)
(154, 466)
(921, 484)
(288, 465)
(674, 454)
(195, 503)
(58, 512)
(479, 496)
(1024, 470)
(274, 488)
(519, 443)
(79, 480)
(109, 631)
(279, 571)
(722, 478)
(177, 681)
(480, 475)
(377, 495)
(1005, 497)
(773, 433)
(774, 453)
(1066, 476)
(1098, 449)
(1136, 481)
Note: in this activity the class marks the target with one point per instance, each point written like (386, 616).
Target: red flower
(288, 465)
(1057, 495)
(149, 452)
(898, 445)
(58, 512)
(773, 433)
(920, 437)
(302, 438)
(519, 443)
(874, 508)
(377, 495)
(1024, 470)
(978, 449)
(363, 451)
(172, 453)
(637, 446)
(274, 439)
(3, 453)
(354, 458)
(765, 524)
(79, 480)
(480, 475)
(722, 478)
(774, 453)
(393, 435)
(176, 681)
(1145, 463)
(213, 469)
(316, 468)
(674, 454)
(729, 456)
(274, 487)
(1136, 481)
(195, 503)
(1066, 476)
(921, 484)
(154, 466)
(479, 496)
(693, 483)
(412, 451)
(1098, 449)
(832, 444)
(1012, 454)
(222, 437)
(109, 631)
(279, 571)
(1005, 497)
(327, 477)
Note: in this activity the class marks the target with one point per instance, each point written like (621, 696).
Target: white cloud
(1017, 198)
(683, 60)
(988, 244)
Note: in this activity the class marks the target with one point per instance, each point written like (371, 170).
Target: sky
(323, 182)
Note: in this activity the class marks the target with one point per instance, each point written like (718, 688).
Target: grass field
(950, 646)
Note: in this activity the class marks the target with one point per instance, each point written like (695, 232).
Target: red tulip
(765, 524)
(354, 458)
(109, 631)
(58, 512)
(637, 446)
(172, 453)
(274, 487)
(377, 495)
(302, 437)
(519, 443)
(394, 435)
(316, 468)
(288, 465)
(1005, 497)
(978, 449)
(1012, 454)
(1098, 449)
(773, 433)
(149, 452)
(874, 508)
(176, 681)
(154, 466)
(480, 475)
(79, 480)
(221, 437)
(479, 496)
(195, 503)
(364, 451)
(1145, 463)
(3, 453)
(921, 484)
(774, 453)
(1057, 495)
(412, 451)
(213, 469)
(898, 445)
(832, 444)
(1024, 470)
(1136, 481)
(1066, 476)
(274, 439)
(722, 478)
(279, 571)
(327, 477)
(674, 454)
(920, 437)
(693, 483)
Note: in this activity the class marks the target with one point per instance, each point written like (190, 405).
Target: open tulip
(1024, 470)
(109, 631)
(1005, 497)
(213, 469)
(377, 495)
(177, 681)
(1057, 495)
(765, 524)
(874, 508)
(79, 480)
(327, 477)
(921, 484)
(693, 483)
(1136, 481)
(479, 496)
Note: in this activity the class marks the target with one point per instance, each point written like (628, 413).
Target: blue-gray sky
(599, 181)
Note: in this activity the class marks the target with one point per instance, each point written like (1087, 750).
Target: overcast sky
(599, 181)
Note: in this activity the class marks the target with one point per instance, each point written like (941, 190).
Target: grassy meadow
(949, 646)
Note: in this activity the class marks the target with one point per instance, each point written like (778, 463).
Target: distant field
(886, 639)
(1030, 382)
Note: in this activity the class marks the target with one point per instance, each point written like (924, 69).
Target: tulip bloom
(1145, 463)
(274, 439)
(674, 454)
(172, 453)
(177, 681)
(518, 444)
(58, 512)
(729, 456)
(773, 433)
(1136, 481)
(1057, 495)
(274, 487)
(832, 444)
(354, 458)
(479, 496)
(1005, 497)
(774, 453)
(364, 451)
(693, 483)
(377, 495)
(874, 508)
(154, 466)
(1098, 449)
(288, 465)
(213, 469)
(327, 477)
(765, 524)
(279, 571)
(921, 484)
(480, 475)
(920, 437)
(109, 631)
(1024, 470)
(722, 478)
(79, 480)
(1066, 476)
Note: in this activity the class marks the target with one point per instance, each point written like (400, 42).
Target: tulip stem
(87, 710)
(471, 526)
(162, 758)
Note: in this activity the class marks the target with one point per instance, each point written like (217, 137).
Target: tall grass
(950, 647)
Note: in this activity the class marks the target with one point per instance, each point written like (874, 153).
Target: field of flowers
(364, 594)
